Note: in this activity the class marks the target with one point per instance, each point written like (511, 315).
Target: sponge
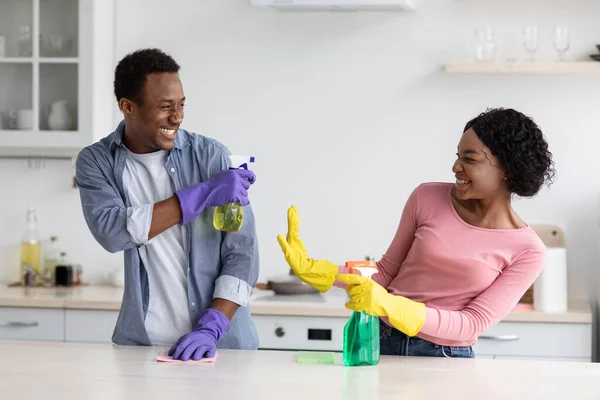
(315, 357)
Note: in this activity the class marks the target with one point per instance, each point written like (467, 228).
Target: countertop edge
(515, 316)
(32, 303)
(92, 306)
(573, 317)
(292, 311)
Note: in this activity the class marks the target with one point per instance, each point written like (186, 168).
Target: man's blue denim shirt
(220, 264)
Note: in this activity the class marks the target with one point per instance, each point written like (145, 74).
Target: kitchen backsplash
(47, 186)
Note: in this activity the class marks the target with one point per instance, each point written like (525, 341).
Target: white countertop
(79, 297)
(263, 302)
(49, 371)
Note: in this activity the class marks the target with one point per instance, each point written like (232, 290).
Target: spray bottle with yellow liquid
(229, 218)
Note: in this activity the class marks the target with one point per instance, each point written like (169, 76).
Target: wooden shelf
(535, 67)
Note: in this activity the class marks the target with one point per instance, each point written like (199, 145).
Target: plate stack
(596, 57)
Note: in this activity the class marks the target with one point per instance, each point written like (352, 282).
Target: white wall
(48, 188)
(346, 114)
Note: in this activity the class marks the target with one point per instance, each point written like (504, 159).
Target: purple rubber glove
(229, 186)
(202, 341)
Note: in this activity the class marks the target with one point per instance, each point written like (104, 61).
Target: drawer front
(32, 324)
(562, 359)
(300, 333)
(536, 340)
(94, 326)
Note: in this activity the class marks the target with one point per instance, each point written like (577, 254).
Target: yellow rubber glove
(319, 274)
(367, 295)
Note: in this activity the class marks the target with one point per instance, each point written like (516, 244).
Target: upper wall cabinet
(56, 63)
(338, 5)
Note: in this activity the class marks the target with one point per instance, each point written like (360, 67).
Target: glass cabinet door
(16, 104)
(54, 65)
(58, 28)
(16, 29)
(40, 67)
(16, 65)
(58, 67)
(58, 97)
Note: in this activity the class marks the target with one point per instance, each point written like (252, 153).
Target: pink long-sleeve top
(468, 277)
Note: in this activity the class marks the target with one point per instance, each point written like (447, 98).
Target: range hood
(337, 5)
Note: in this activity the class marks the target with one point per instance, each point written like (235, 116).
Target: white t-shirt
(165, 259)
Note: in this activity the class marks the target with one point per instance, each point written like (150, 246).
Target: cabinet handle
(503, 338)
(19, 325)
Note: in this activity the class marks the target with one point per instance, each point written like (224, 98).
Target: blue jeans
(392, 342)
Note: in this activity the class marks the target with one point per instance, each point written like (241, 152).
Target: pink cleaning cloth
(164, 356)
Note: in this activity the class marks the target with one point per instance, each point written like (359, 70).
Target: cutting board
(552, 236)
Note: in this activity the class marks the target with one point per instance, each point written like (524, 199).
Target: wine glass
(561, 41)
(530, 40)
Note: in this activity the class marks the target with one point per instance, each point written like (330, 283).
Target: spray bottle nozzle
(240, 162)
(365, 268)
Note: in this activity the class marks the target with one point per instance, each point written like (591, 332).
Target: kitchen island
(59, 370)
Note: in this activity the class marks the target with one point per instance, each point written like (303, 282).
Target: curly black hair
(520, 146)
(132, 70)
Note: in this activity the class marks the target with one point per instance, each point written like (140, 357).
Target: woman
(461, 258)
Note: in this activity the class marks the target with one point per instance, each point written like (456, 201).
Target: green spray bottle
(361, 333)
(229, 218)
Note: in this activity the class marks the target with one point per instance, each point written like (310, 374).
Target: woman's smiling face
(479, 174)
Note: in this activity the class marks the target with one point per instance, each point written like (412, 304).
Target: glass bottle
(50, 261)
(31, 257)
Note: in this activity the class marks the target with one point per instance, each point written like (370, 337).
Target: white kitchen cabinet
(506, 340)
(316, 322)
(57, 324)
(537, 340)
(55, 50)
(303, 322)
(509, 340)
(20, 323)
(90, 325)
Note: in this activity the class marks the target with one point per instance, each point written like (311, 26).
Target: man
(149, 189)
